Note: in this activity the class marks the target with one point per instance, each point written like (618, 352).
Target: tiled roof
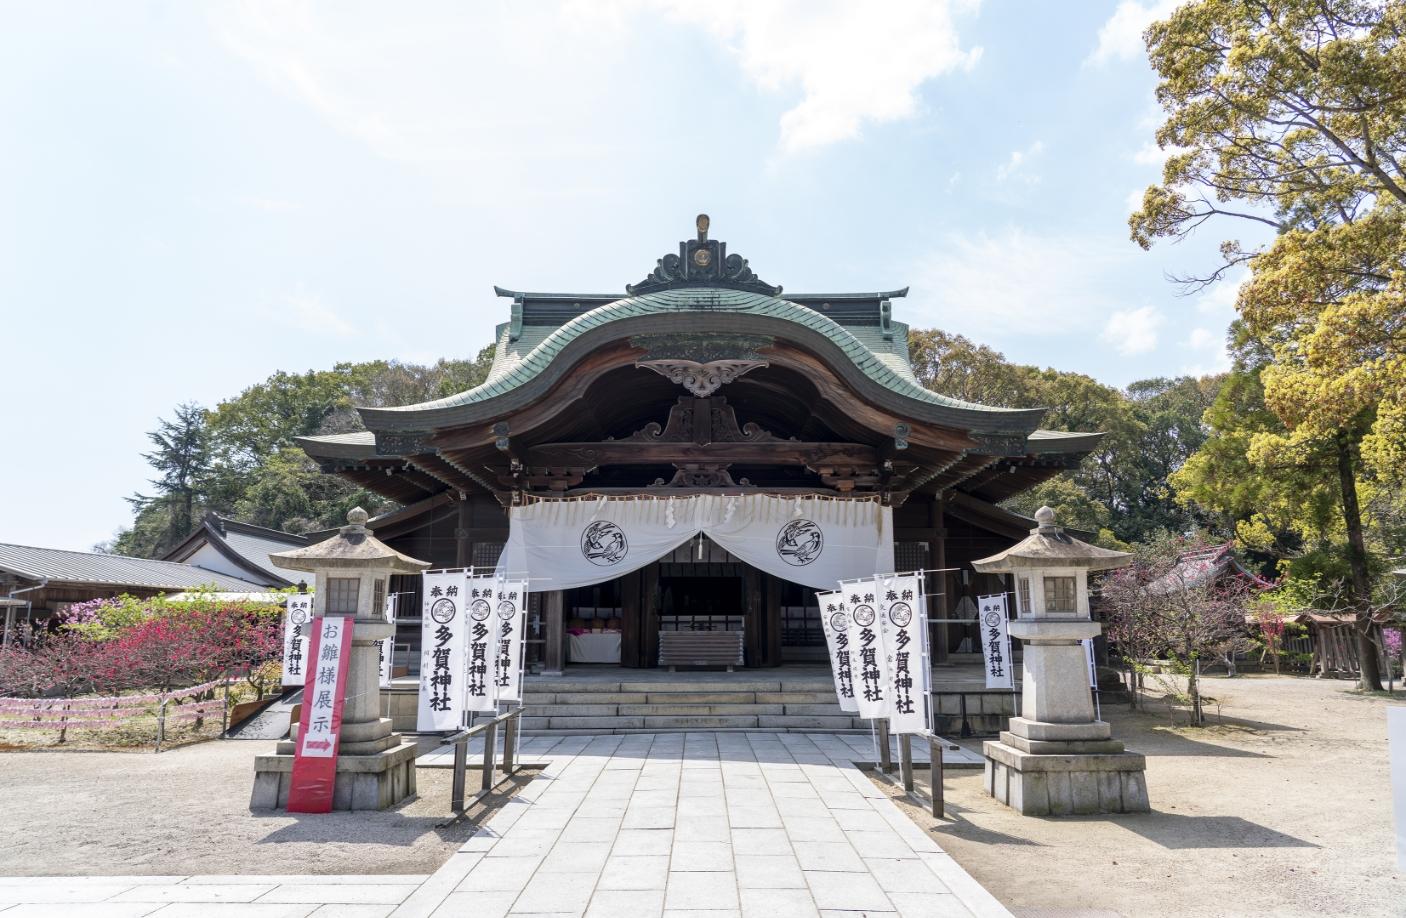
(60, 565)
(884, 359)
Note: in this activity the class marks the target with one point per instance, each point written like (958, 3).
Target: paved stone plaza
(708, 824)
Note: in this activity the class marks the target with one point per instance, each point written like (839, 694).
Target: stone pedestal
(364, 782)
(1058, 760)
(375, 767)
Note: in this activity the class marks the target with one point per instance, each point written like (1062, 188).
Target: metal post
(509, 739)
(935, 752)
(885, 754)
(461, 764)
(905, 760)
(161, 725)
(490, 740)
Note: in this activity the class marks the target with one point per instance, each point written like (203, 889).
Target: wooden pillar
(771, 619)
(463, 548)
(554, 656)
(937, 551)
(631, 616)
(649, 615)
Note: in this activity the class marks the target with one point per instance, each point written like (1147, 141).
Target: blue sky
(193, 196)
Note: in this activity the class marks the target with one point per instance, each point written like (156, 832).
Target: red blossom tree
(1158, 608)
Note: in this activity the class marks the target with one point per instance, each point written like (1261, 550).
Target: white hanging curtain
(814, 541)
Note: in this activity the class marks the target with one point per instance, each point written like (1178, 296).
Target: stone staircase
(562, 706)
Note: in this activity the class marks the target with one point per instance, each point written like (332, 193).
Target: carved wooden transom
(701, 379)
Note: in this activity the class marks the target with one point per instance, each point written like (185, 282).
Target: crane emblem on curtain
(604, 543)
(799, 542)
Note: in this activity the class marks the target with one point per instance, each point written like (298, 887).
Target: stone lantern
(375, 767)
(1057, 758)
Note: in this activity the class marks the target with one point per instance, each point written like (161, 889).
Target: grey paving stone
(554, 897)
(919, 905)
(703, 828)
(701, 855)
(229, 892)
(769, 871)
(234, 910)
(776, 903)
(828, 856)
(643, 841)
(904, 875)
(477, 904)
(574, 858)
(813, 828)
(79, 909)
(336, 893)
(341, 910)
(493, 874)
(847, 892)
(701, 891)
(635, 872)
(618, 903)
(747, 842)
(47, 890)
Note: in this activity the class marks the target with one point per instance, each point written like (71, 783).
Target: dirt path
(187, 811)
(1285, 809)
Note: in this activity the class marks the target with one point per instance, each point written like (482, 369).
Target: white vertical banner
(900, 607)
(835, 621)
(442, 659)
(1396, 743)
(872, 693)
(995, 641)
(1089, 662)
(510, 616)
(297, 616)
(386, 648)
(480, 693)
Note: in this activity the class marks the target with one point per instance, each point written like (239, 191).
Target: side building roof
(59, 565)
(245, 545)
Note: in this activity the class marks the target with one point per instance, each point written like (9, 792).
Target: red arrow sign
(325, 690)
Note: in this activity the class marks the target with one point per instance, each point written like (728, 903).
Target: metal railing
(489, 730)
(936, 746)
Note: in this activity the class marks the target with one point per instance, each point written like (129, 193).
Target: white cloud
(1133, 331)
(1202, 338)
(1219, 300)
(1134, 200)
(307, 312)
(1120, 38)
(1015, 282)
(481, 83)
(1018, 164)
(853, 62)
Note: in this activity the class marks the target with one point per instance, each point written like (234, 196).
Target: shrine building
(699, 455)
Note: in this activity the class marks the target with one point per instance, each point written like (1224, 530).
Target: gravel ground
(187, 811)
(1284, 809)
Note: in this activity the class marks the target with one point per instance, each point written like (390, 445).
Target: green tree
(1290, 116)
(1120, 490)
(253, 470)
(182, 459)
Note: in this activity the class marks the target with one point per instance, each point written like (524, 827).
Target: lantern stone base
(364, 782)
(1063, 780)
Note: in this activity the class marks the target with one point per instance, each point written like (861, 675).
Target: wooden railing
(489, 731)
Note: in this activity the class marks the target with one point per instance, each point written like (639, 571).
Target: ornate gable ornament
(702, 262)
